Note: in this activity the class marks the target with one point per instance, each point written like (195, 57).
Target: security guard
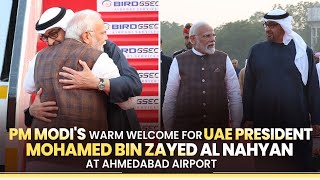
(186, 40)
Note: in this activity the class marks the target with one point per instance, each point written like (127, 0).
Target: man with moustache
(235, 64)
(281, 90)
(201, 89)
(202, 86)
(51, 28)
(186, 37)
(85, 37)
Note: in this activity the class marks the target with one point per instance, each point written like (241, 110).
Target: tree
(236, 38)
(171, 35)
(317, 47)
(256, 17)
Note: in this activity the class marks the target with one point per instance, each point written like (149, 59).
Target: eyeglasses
(207, 36)
(52, 35)
(270, 24)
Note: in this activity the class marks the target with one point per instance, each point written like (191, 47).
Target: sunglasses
(52, 35)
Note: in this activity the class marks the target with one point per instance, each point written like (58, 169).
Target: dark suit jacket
(121, 88)
(165, 67)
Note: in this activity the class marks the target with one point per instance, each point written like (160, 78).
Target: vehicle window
(7, 19)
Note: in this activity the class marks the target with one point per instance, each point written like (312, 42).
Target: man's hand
(315, 130)
(84, 79)
(316, 152)
(42, 111)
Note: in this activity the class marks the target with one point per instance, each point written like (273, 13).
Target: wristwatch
(101, 84)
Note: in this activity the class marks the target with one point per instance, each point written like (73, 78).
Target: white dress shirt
(233, 93)
(318, 70)
(104, 68)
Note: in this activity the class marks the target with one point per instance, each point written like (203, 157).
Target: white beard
(210, 50)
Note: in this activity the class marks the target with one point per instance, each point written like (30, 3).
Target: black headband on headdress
(51, 21)
(282, 16)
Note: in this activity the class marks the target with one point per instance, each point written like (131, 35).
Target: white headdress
(54, 17)
(301, 59)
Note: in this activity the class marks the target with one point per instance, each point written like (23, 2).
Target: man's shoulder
(86, 50)
(309, 50)
(109, 45)
(165, 57)
(75, 44)
(113, 50)
(242, 70)
(178, 52)
(260, 45)
(221, 52)
(45, 49)
(94, 51)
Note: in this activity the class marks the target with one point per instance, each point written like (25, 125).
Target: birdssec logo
(119, 3)
(125, 5)
(132, 27)
(140, 51)
(106, 3)
(149, 76)
(147, 103)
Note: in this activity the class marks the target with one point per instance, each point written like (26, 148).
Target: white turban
(301, 59)
(54, 17)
